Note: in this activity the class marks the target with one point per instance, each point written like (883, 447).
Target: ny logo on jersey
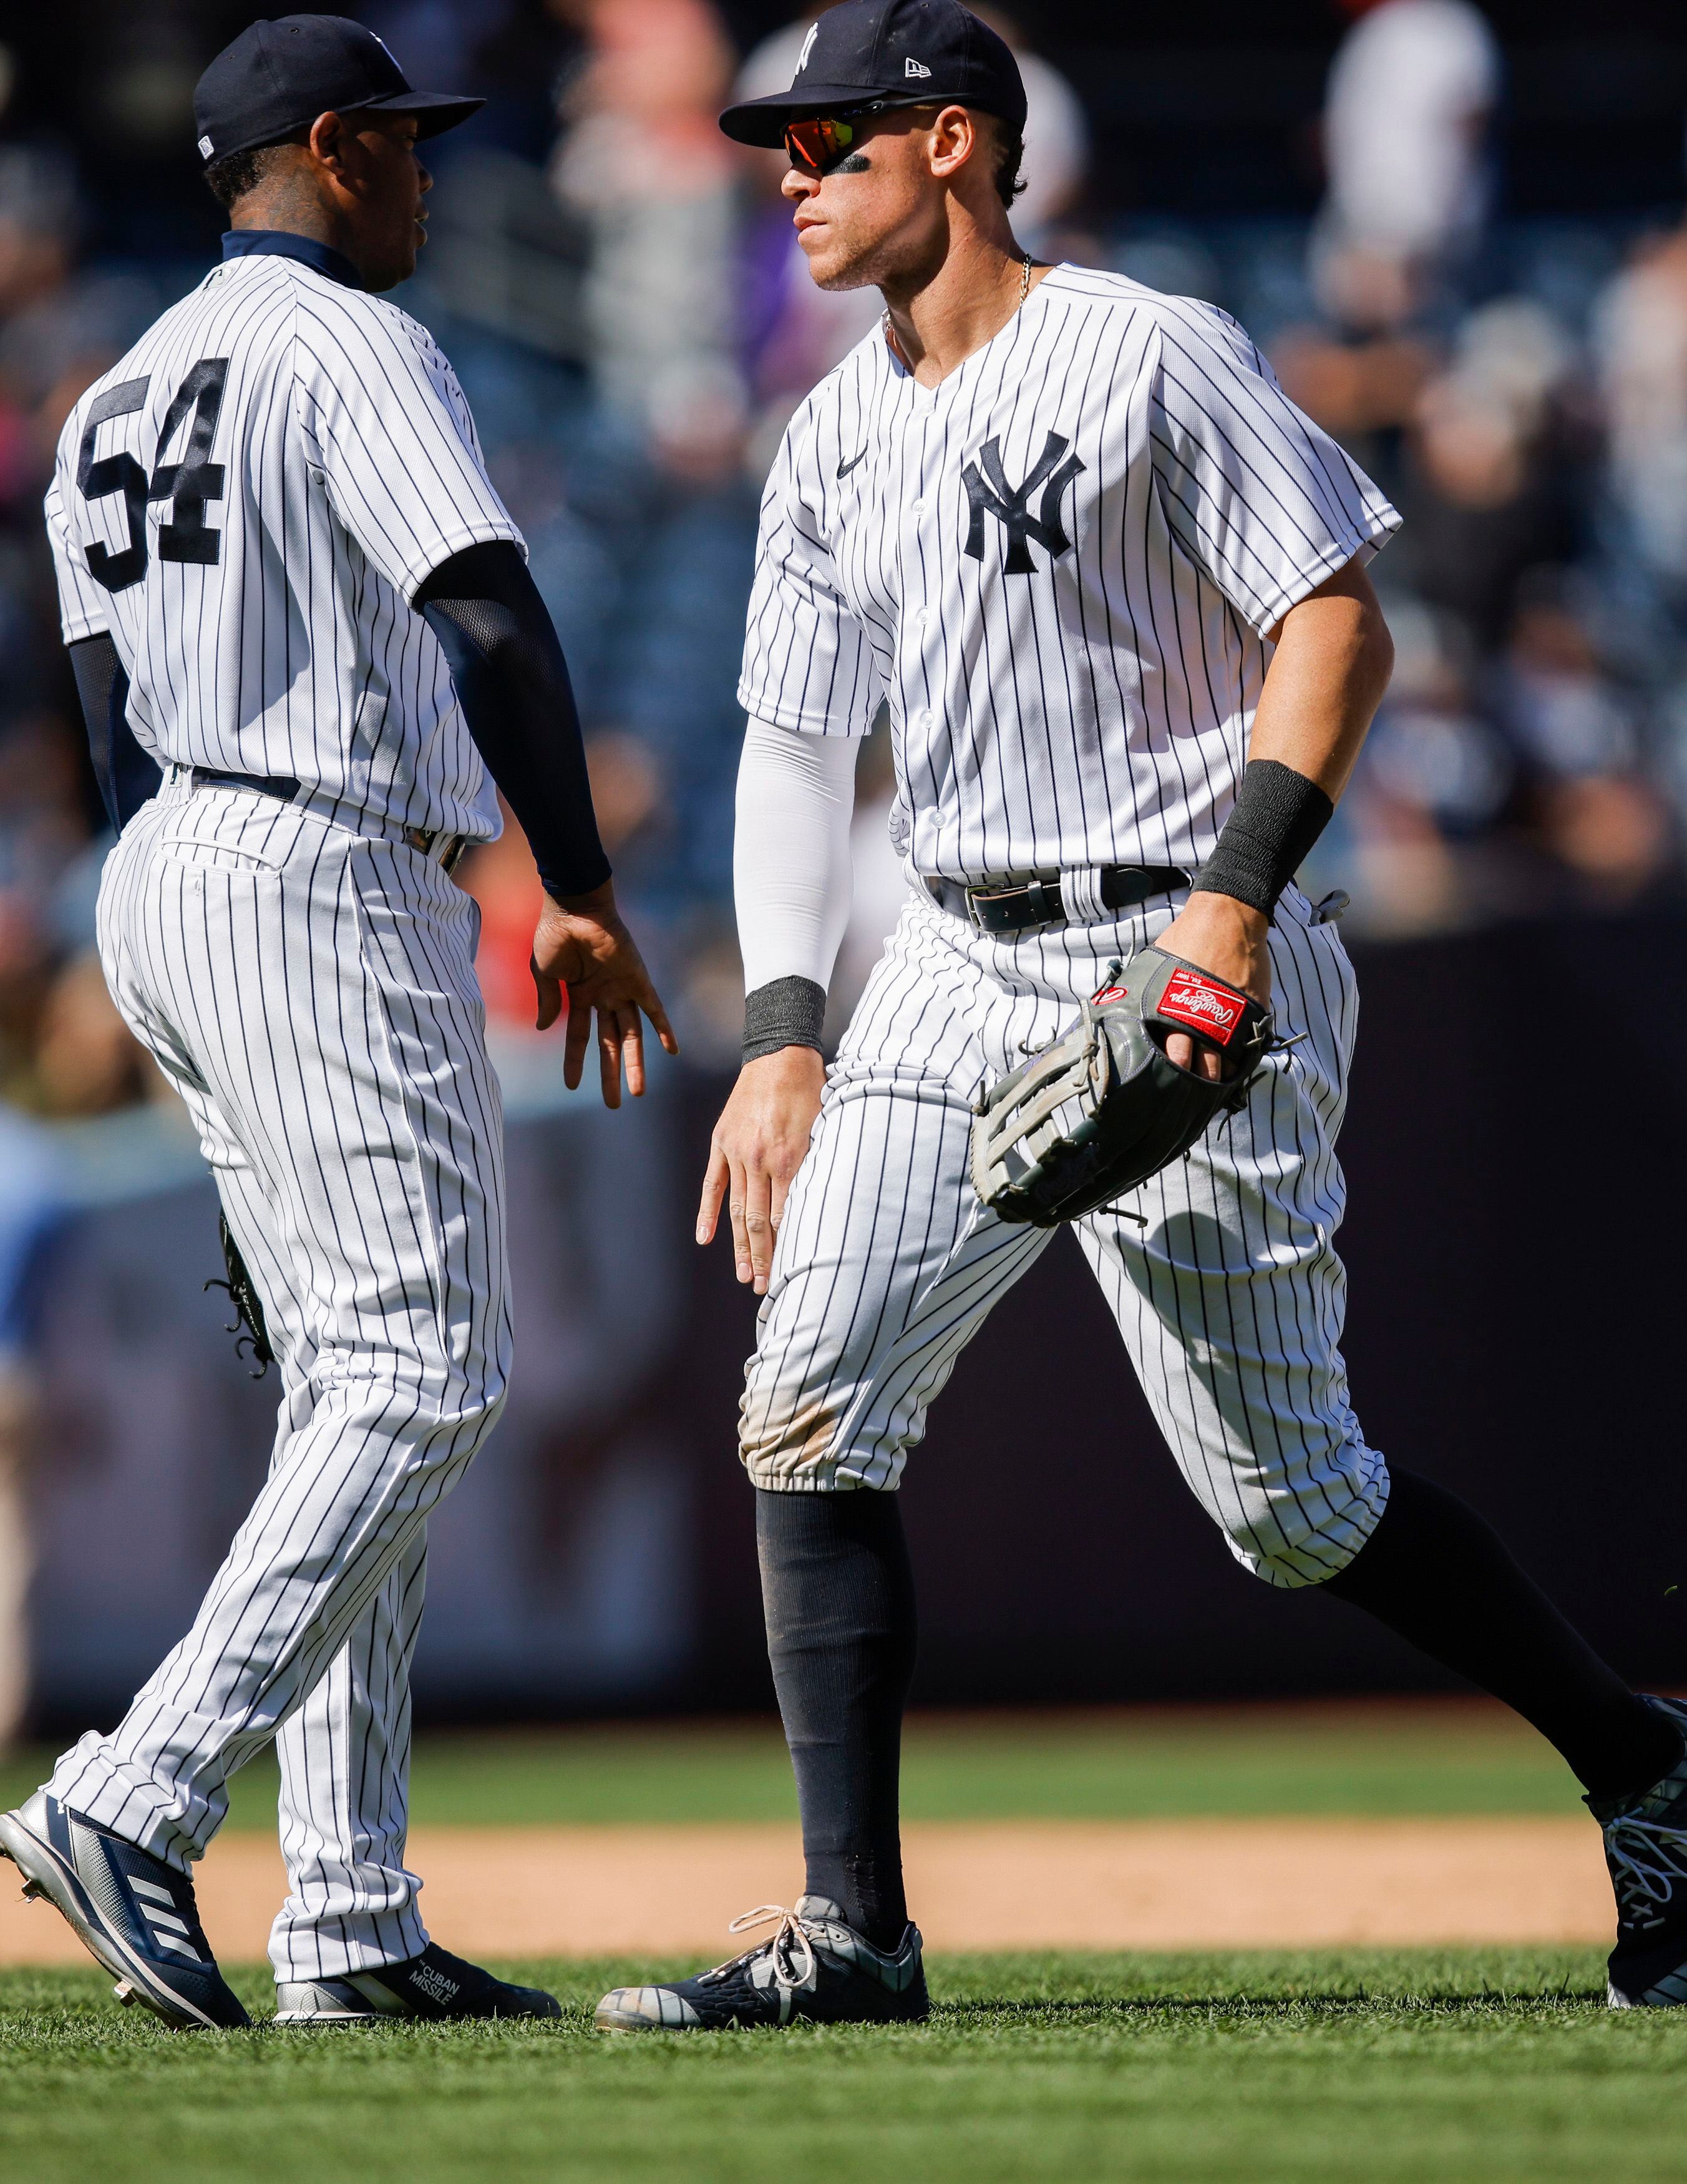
(990, 494)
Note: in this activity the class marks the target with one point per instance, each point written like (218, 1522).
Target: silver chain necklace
(885, 321)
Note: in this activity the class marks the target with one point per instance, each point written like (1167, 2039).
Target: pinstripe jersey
(247, 504)
(1060, 566)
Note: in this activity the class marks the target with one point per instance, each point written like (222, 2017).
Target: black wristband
(1277, 815)
(784, 1012)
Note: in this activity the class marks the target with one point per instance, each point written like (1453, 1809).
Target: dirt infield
(996, 1884)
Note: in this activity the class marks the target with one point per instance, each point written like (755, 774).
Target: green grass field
(1415, 2066)
(1372, 2067)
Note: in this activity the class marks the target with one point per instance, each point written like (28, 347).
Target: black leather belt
(431, 841)
(1016, 905)
(266, 784)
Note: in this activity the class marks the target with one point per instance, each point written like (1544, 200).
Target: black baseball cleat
(813, 1966)
(134, 1914)
(433, 1986)
(1646, 1847)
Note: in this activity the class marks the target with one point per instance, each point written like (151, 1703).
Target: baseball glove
(1101, 1108)
(247, 1324)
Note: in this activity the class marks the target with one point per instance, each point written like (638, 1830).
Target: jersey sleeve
(807, 661)
(82, 609)
(1256, 493)
(388, 430)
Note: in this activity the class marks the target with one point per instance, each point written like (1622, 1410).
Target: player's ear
(327, 142)
(954, 138)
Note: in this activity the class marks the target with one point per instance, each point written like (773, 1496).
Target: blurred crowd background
(1456, 232)
(1421, 227)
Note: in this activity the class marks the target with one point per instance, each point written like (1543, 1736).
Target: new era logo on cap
(912, 67)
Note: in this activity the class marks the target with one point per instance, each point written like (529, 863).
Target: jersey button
(916, 507)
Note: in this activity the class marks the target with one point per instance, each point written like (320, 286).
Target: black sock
(1433, 1571)
(839, 1593)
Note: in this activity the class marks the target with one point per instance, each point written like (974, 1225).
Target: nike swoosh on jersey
(844, 469)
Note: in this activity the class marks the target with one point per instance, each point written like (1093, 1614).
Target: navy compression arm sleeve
(512, 682)
(126, 775)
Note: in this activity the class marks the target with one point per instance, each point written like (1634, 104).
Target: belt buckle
(978, 898)
(1042, 899)
(426, 840)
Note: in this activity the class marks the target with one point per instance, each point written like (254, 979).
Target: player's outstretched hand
(582, 944)
(1217, 933)
(757, 1146)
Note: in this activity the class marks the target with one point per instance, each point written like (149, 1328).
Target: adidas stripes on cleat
(134, 1914)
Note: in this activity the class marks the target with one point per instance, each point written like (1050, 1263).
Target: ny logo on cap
(808, 48)
(990, 494)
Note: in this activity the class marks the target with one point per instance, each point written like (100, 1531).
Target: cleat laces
(789, 1944)
(1647, 1858)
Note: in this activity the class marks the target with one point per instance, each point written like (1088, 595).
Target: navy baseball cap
(276, 77)
(910, 52)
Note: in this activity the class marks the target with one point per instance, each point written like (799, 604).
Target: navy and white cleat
(1646, 1847)
(433, 1986)
(134, 1914)
(813, 1966)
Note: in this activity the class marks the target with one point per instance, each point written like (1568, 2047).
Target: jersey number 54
(184, 535)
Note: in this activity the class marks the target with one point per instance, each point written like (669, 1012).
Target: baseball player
(1111, 583)
(288, 583)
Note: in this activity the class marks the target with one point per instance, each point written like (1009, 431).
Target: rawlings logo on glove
(1205, 1003)
(1103, 1108)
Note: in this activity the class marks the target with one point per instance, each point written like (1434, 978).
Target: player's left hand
(582, 944)
(1217, 933)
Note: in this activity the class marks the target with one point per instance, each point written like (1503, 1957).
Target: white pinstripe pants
(1230, 1298)
(311, 992)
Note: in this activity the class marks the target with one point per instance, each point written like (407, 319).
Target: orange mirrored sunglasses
(819, 143)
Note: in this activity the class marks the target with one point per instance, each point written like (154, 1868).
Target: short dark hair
(234, 177)
(1009, 147)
